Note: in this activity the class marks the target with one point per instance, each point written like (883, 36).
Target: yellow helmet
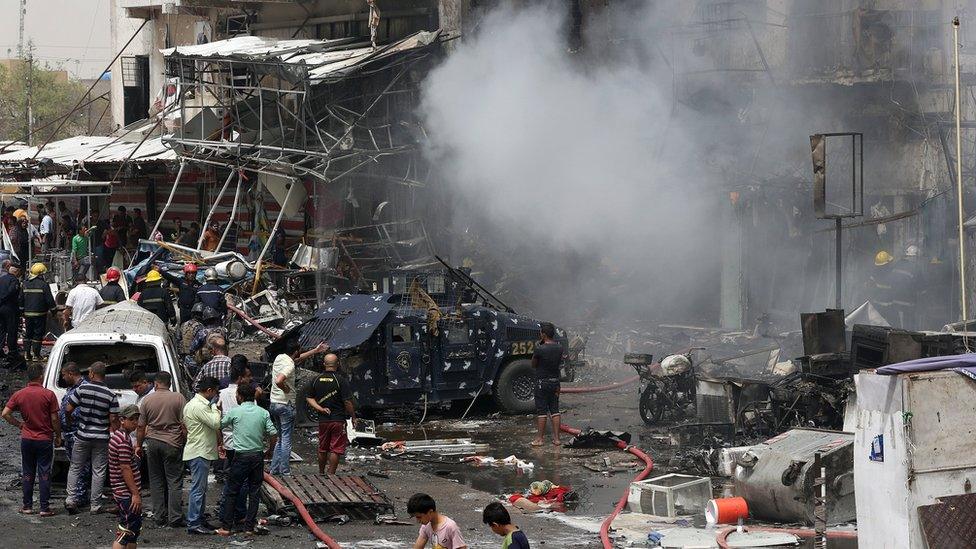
(153, 276)
(38, 269)
(883, 258)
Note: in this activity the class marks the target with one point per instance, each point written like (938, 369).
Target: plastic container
(670, 495)
(726, 511)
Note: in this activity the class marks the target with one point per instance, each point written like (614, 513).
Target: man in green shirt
(252, 426)
(202, 420)
(80, 261)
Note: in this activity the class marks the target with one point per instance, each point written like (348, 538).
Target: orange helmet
(113, 274)
(190, 268)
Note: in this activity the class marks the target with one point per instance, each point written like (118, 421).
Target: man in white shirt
(283, 399)
(47, 229)
(81, 301)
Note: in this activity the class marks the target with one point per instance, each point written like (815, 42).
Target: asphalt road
(460, 489)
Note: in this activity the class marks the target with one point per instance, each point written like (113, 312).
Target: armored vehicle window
(435, 284)
(401, 333)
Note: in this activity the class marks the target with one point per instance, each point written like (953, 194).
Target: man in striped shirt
(98, 409)
(125, 479)
(219, 366)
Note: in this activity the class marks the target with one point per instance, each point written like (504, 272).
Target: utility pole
(20, 35)
(29, 103)
(962, 243)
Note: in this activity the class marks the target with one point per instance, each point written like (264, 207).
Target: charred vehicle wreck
(437, 337)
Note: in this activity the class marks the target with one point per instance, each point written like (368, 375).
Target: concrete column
(452, 15)
(733, 286)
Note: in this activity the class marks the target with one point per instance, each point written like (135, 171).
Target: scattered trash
(391, 519)
(363, 433)
(488, 460)
(592, 438)
(444, 447)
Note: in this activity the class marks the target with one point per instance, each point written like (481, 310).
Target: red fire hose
(649, 466)
(300, 507)
(600, 388)
(253, 322)
(722, 537)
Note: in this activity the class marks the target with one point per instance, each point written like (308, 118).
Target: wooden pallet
(328, 495)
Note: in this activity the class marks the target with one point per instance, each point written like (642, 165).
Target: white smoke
(549, 151)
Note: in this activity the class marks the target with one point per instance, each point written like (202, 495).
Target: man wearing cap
(155, 298)
(112, 291)
(126, 479)
(188, 286)
(10, 296)
(81, 301)
(37, 303)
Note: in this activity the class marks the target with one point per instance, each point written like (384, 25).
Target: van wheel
(515, 389)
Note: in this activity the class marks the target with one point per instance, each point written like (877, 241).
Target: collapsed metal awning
(57, 188)
(325, 60)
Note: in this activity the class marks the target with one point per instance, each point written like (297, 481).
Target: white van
(123, 336)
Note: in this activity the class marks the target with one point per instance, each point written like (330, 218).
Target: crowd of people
(229, 424)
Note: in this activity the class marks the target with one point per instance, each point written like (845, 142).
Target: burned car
(406, 349)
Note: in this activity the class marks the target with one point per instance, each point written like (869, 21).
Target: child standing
(439, 530)
(497, 518)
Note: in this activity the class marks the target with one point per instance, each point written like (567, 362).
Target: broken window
(118, 358)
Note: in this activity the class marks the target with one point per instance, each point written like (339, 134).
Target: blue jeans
(284, 415)
(199, 470)
(36, 457)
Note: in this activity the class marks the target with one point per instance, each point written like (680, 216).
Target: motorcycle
(667, 390)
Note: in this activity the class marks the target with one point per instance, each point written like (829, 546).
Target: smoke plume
(571, 174)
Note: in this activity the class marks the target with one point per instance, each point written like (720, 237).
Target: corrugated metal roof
(94, 149)
(325, 58)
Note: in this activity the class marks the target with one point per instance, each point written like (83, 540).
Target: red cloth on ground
(556, 494)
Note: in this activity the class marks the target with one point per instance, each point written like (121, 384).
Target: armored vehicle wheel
(515, 389)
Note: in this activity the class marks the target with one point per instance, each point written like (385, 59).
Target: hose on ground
(722, 537)
(252, 322)
(648, 467)
(302, 511)
(600, 388)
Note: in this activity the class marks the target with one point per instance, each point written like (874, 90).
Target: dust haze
(576, 193)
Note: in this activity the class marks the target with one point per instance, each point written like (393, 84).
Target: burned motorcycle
(667, 390)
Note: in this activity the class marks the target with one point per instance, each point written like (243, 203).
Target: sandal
(46, 514)
(26, 511)
(536, 443)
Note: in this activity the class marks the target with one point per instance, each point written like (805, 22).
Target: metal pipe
(220, 196)
(233, 212)
(172, 192)
(962, 246)
(838, 257)
(271, 235)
